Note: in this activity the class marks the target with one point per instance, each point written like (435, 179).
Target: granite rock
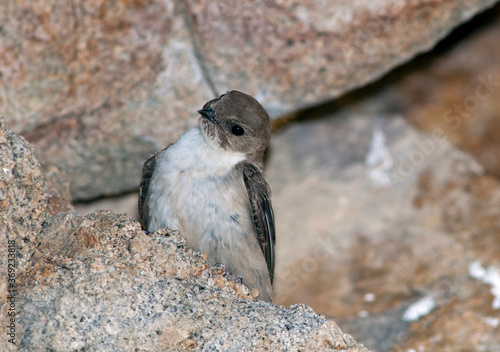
(23, 203)
(99, 283)
(96, 85)
(23, 197)
(292, 54)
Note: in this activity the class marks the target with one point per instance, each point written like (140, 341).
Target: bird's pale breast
(194, 191)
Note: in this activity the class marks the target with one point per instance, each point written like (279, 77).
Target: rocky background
(390, 191)
(97, 85)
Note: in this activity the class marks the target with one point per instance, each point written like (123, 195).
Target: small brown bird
(209, 185)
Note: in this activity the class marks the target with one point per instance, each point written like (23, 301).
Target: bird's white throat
(192, 152)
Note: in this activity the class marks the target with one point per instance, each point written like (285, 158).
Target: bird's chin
(206, 127)
(209, 131)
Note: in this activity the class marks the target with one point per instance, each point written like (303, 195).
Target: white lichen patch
(419, 309)
(378, 160)
(490, 276)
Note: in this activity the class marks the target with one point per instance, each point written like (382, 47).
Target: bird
(209, 185)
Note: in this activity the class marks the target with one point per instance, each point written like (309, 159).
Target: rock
(99, 283)
(294, 54)
(23, 198)
(97, 86)
(58, 185)
(122, 204)
(380, 222)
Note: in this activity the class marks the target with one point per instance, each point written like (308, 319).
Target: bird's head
(237, 122)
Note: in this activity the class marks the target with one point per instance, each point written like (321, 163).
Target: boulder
(23, 198)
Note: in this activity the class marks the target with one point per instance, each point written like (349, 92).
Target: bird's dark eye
(237, 130)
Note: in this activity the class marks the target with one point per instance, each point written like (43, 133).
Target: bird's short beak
(209, 114)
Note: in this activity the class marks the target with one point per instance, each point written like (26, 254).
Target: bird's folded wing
(259, 195)
(147, 173)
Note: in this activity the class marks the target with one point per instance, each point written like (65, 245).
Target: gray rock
(99, 283)
(98, 86)
(23, 198)
(381, 330)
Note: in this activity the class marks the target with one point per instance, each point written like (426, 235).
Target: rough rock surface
(98, 85)
(387, 217)
(293, 54)
(99, 283)
(23, 197)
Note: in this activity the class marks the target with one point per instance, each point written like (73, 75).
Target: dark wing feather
(147, 173)
(259, 195)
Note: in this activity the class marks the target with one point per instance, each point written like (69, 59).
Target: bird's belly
(213, 215)
(211, 212)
